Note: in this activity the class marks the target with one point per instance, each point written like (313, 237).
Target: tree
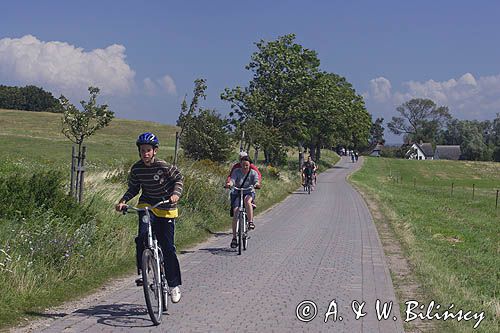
(207, 137)
(420, 119)
(377, 132)
(204, 134)
(78, 125)
(472, 146)
(282, 72)
(186, 114)
(334, 114)
(29, 98)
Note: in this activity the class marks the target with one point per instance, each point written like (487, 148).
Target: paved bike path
(321, 247)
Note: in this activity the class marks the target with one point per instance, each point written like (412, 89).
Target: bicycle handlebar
(251, 187)
(124, 211)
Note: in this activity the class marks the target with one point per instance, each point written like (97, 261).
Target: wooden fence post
(176, 148)
(72, 179)
(82, 172)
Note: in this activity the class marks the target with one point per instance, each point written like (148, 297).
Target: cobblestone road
(321, 247)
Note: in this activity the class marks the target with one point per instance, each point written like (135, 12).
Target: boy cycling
(157, 181)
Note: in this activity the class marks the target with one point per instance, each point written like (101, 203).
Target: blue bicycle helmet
(147, 138)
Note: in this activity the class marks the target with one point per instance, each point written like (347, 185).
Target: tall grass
(452, 241)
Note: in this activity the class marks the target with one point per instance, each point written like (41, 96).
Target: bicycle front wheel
(245, 232)
(164, 284)
(240, 232)
(152, 285)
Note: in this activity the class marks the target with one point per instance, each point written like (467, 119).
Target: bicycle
(308, 184)
(156, 290)
(242, 225)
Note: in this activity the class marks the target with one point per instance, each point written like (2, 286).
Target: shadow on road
(119, 315)
(299, 192)
(217, 234)
(46, 315)
(220, 251)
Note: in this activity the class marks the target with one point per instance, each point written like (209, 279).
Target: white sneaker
(175, 294)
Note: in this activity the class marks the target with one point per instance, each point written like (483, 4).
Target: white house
(422, 151)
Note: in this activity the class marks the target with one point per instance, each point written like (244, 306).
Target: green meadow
(53, 250)
(444, 214)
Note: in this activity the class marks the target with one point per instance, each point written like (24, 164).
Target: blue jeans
(164, 229)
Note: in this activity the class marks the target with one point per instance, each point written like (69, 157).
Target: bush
(206, 137)
(273, 171)
(21, 195)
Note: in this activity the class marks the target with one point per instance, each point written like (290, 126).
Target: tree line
(28, 98)
(421, 119)
(289, 102)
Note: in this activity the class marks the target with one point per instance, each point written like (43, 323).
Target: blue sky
(145, 55)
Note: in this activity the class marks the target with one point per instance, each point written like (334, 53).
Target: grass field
(52, 250)
(452, 239)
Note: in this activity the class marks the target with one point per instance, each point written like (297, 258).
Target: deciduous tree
(78, 125)
(419, 119)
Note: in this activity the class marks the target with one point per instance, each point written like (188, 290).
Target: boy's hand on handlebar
(174, 198)
(257, 186)
(228, 185)
(120, 206)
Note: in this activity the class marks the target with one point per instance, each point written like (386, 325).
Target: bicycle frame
(152, 245)
(242, 225)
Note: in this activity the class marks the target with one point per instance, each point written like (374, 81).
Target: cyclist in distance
(308, 170)
(157, 181)
(243, 177)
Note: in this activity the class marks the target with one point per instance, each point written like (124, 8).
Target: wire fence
(468, 193)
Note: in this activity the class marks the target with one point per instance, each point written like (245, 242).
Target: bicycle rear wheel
(152, 286)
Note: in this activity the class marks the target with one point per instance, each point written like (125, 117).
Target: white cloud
(65, 68)
(149, 86)
(467, 97)
(380, 89)
(168, 84)
(165, 83)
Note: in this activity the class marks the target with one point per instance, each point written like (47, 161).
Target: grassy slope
(452, 242)
(30, 142)
(107, 147)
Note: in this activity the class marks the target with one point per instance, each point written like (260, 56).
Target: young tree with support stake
(77, 126)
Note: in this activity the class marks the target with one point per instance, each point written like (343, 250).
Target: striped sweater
(156, 183)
